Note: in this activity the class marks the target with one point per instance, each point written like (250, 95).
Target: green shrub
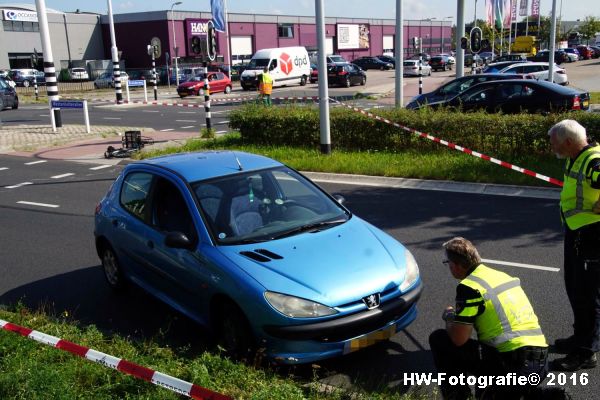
(488, 133)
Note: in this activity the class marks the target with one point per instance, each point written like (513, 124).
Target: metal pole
(115, 56)
(420, 68)
(399, 55)
(323, 90)
(527, 19)
(175, 43)
(154, 76)
(207, 97)
(35, 87)
(49, 70)
(552, 43)
(460, 32)
(227, 38)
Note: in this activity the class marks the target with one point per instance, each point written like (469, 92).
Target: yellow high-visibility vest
(265, 85)
(508, 321)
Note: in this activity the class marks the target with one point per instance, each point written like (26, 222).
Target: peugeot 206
(257, 253)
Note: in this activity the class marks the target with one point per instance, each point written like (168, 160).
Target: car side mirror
(178, 240)
(339, 198)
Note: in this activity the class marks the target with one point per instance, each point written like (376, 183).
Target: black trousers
(582, 282)
(474, 358)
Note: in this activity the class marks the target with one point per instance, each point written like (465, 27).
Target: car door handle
(150, 244)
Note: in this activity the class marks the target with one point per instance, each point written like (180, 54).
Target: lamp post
(442, 25)
(175, 43)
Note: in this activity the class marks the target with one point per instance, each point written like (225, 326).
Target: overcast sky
(413, 9)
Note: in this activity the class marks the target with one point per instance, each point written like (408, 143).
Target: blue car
(257, 253)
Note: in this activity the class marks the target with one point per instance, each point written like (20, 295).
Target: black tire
(112, 270)
(227, 89)
(16, 103)
(303, 81)
(26, 83)
(234, 333)
(363, 81)
(347, 82)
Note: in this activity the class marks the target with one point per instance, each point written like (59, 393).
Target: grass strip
(437, 164)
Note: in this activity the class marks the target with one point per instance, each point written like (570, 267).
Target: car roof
(211, 164)
(530, 82)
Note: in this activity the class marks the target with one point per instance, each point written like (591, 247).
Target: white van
(287, 65)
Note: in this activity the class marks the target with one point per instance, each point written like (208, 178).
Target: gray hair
(461, 251)
(569, 129)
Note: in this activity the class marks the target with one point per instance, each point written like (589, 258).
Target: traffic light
(211, 39)
(196, 45)
(475, 40)
(464, 43)
(155, 50)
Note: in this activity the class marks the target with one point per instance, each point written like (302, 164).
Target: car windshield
(257, 63)
(265, 205)
(337, 59)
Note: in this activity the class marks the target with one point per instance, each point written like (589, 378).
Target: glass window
(480, 95)
(170, 212)
(7, 25)
(134, 193)
(285, 30)
(28, 26)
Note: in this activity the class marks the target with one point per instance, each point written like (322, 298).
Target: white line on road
(221, 131)
(167, 130)
(101, 167)
(221, 122)
(153, 111)
(186, 112)
(35, 162)
(219, 112)
(3, 168)
(185, 120)
(513, 264)
(62, 176)
(38, 204)
(44, 115)
(18, 185)
(111, 117)
(187, 127)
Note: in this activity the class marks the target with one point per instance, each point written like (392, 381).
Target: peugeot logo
(372, 301)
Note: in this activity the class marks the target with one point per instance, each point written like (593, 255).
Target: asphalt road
(48, 260)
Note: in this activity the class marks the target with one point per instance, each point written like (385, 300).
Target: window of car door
(477, 96)
(170, 212)
(134, 194)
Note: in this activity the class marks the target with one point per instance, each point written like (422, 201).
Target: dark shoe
(565, 344)
(576, 360)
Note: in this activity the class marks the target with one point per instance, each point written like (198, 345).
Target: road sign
(135, 83)
(67, 104)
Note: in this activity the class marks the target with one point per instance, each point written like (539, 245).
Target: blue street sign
(67, 104)
(135, 83)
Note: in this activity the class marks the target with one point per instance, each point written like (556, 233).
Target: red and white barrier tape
(127, 367)
(457, 147)
(200, 105)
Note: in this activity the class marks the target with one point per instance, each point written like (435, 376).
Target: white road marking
(186, 112)
(221, 122)
(185, 120)
(35, 162)
(167, 130)
(18, 185)
(30, 203)
(101, 167)
(221, 131)
(62, 176)
(187, 127)
(152, 111)
(514, 264)
(44, 115)
(111, 117)
(219, 112)
(3, 168)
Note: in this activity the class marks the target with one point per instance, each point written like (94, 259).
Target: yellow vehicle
(525, 45)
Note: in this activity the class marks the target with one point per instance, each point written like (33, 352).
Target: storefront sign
(20, 15)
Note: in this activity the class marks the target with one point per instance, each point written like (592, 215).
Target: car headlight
(296, 307)
(412, 271)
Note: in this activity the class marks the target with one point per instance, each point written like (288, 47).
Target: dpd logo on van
(286, 64)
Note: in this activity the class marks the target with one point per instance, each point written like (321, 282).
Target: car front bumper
(297, 344)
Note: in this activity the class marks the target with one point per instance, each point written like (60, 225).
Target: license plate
(586, 103)
(370, 339)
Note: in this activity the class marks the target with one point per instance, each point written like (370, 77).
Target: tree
(589, 27)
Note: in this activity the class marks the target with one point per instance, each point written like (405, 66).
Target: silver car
(106, 80)
(411, 68)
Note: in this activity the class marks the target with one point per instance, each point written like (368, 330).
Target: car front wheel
(16, 103)
(26, 83)
(112, 270)
(347, 82)
(227, 89)
(363, 81)
(234, 333)
(303, 81)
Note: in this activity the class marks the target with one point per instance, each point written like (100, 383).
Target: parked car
(538, 70)
(424, 57)
(473, 58)
(450, 57)
(8, 95)
(487, 57)
(585, 51)
(25, 77)
(497, 66)
(217, 81)
(457, 86)
(236, 71)
(440, 63)
(573, 54)
(367, 62)
(510, 57)
(106, 80)
(78, 74)
(544, 56)
(411, 68)
(246, 246)
(4, 73)
(596, 51)
(388, 59)
(345, 74)
(314, 73)
(515, 96)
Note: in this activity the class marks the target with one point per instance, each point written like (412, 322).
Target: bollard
(207, 98)
(420, 74)
(154, 77)
(35, 87)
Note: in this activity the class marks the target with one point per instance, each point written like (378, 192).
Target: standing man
(493, 303)
(265, 86)
(580, 212)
